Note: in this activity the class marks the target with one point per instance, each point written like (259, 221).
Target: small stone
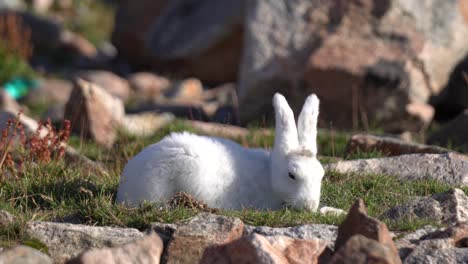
(361, 250)
(108, 81)
(256, 248)
(24, 255)
(94, 112)
(190, 89)
(358, 222)
(194, 235)
(6, 218)
(407, 243)
(148, 85)
(331, 211)
(145, 124)
(68, 240)
(145, 250)
(437, 251)
(458, 235)
(324, 232)
(7, 102)
(50, 91)
(449, 207)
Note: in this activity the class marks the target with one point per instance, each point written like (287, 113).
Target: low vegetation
(53, 191)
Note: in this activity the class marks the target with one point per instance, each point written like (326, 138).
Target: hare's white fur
(226, 175)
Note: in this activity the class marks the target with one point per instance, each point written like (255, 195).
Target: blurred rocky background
(393, 66)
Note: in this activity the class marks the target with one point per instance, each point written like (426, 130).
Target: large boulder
(185, 37)
(367, 60)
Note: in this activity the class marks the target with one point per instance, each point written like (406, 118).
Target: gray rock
(145, 250)
(69, 240)
(109, 81)
(325, 232)
(7, 102)
(408, 242)
(438, 251)
(50, 91)
(450, 208)
(388, 146)
(12, 4)
(449, 168)
(145, 124)
(24, 255)
(6, 218)
(96, 113)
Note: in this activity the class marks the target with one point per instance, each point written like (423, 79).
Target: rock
(357, 222)
(328, 47)
(227, 131)
(224, 94)
(148, 86)
(454, 133)
(200, 232)
(7, 102)
(458, 235)
(6, 218)
(12, 4)
(145, 250)
(94, 113)
(360, 249)
(387, 145)
(49, 38)
(437, 251)
(42, 6)
(110, 82)
(164, 230)
(324, 232)
(450, 208)
(187, 90)
(258, 249)
(50, 91)
(450, 168)
(30, 125)
(407, 243)
(24, 255)
(69, 240)
(182, 37)
(145, 124)
(326, 210)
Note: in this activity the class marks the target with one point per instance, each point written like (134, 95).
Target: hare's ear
(285, 126)
(307, 124)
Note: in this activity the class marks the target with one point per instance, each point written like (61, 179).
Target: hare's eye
(291, 176)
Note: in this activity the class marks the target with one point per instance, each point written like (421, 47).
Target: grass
(53, 191)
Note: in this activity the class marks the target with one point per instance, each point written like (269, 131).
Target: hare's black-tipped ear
(307, 124)
(285, 126)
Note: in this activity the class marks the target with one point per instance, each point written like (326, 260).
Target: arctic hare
(226, 175)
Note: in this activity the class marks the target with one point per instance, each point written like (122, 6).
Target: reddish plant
(45, 145)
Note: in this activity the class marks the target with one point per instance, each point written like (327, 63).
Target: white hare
(226, 175)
